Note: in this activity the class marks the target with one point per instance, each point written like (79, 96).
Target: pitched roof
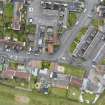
(76, 81)
(22, 75)
(8, 74)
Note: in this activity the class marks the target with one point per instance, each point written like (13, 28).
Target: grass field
(9, 96)
(72, 18)
(98, 22)
(74, 71)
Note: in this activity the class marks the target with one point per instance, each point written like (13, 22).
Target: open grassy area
(72, 18)
(78, 38)
(59, 92)
(98, 22)
(8, 10)
(74, 71)
(45, 64)
(8, 97)
(74, 93)
(89, 97)
(102, 62)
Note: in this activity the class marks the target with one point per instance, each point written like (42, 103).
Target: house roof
(76, 81)
(8, 73)
(18, 74)
(22, 75)
(50, 48)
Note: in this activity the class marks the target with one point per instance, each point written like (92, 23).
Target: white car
(63, 58)
(77, 23)
(8, 50)
(85, 10)
(36, 54)
(30, 20)
(30, 9)
(90, 16)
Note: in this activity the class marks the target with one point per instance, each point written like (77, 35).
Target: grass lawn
(73, 46)
(1, 21)
(8, 97)
(102, 62)
(90, 97)
(30, 28)
(74, 71)
(72, 18)
(98, 22)
(59, 92)
(78, 38)
(8, 11)
(74, 93)
(45, 64)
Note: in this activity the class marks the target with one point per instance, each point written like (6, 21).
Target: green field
(9, 96)
(72, 18)
(74, 71)
(98, 22)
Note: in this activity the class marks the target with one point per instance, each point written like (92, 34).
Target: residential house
(101, 11)
(95, 82)
(18, 5)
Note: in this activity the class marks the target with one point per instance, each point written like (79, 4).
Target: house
(34, 64)
(101, 11)
(74, 81)
(11, 74)
(50, 48)
(8, 74)
(23, 75)
(18, 5)
(95, 82)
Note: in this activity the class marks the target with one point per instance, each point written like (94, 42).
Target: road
(67, 38)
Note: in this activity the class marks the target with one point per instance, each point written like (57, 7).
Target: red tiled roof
(76, 81)
(50, 48)
(22, 75)
(8, 73)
